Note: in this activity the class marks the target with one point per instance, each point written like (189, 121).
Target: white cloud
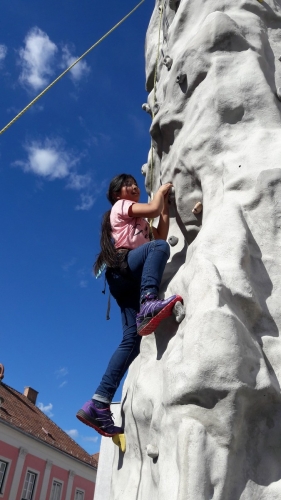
(62, 372)
(92, 439)
(3, 52)
(36, 59)
(46, 409)
(63, 384)
(83, 284)
(79, 71)
(87, 201)
(48, 159)
(69, 264)
(73, 433)
(78, 182)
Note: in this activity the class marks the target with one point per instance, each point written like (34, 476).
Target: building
(105, 459)
(38, 460)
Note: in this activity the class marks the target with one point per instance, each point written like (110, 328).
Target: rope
(154, 102)
(68, 69)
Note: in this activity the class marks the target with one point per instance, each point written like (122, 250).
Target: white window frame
(59, 481)
(8, 462)
(79, 490)
(36, 473)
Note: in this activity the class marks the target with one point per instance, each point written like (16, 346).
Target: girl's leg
(127, 295)
(96, 412)
(124, 355)
(147, 264)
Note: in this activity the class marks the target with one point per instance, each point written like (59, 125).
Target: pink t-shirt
(127, 232)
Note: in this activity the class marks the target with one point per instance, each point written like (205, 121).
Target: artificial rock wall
(201, 404)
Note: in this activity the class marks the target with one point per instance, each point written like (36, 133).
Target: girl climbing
(134, 269)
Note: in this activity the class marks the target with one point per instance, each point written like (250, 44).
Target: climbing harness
(69, 68)
(121, 268)
(161, 9)
(108, 306)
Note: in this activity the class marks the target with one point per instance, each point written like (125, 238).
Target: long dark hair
(107, 254)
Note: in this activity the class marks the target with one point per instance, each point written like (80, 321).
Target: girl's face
(130, 191)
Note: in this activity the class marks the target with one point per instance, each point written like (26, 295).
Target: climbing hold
(160, 8)
(146, 108)
(152, 450)
(168, 61)
(179, 312)
(180, 78)
(173, 240)
(144, 169)
(198, 207)
(120, 441)
(279, 58)
(278, 93)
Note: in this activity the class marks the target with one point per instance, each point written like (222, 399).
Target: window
(79, 495)
(29, 484)
(3, 470)
(56, 491)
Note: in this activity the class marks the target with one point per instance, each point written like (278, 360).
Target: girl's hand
(155, 207)
(164, 189)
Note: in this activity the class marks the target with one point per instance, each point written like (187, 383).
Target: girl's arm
(154, 207)
(161, 232)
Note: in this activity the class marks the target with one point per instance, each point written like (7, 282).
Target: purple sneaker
(100, 419)
(153, 311)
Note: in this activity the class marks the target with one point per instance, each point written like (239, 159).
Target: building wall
(106, 457)
(8, 454)
(84, 485)
(61, 475)
(34, 464)
(26, 453)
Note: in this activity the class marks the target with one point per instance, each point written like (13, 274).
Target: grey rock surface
(206, 392)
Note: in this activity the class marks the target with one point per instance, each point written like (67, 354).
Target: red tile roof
(96, 457)
(18, 411)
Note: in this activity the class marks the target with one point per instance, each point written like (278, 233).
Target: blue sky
(55, 164)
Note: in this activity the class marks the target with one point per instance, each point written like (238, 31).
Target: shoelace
(107, 416)
(107, 422)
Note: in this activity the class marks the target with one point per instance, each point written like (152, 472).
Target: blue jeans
(146, 266)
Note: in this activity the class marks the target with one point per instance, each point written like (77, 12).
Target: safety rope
(161, 8)
(70, 67)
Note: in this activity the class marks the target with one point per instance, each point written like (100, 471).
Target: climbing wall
(201, 404)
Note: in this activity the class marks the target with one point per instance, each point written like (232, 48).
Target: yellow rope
(154, 102)
(68, 69)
